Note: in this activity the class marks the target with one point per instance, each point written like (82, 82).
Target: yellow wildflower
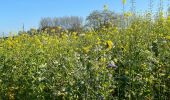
(59, 27)
(10, 43)
(128, 14)
(98, 41)
(103, 59)
(66, 31)
(167, 37)
(109, 44)
(86, 49)
(74, 33)
(53, 31)
(168, 19)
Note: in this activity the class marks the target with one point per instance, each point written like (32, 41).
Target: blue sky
(13, 13)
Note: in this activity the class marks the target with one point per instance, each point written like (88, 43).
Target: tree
(71, 23)
(98, 19)
(46, 22)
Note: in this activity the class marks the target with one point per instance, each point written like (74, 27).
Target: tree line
(94, 21)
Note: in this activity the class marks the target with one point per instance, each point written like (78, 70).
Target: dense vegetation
(131, 61)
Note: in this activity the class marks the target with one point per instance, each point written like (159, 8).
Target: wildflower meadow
(127, 61)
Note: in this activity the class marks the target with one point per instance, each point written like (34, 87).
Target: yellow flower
(10, 43)
(53, 31)
(109, 44)
(168, 18)
(103, 59)
(167, 37)
(86, 49)
(115, 60)
(98, 41)
(74, 33)
(128, 14)
(66, 31)
(59, 27)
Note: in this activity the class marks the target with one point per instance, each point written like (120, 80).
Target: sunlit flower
(86, 49)
(127, 14)
(59, 27)
(74, 33)
(167, 37)
(103, 59)
(98, 41)
(52, 30)
(109, 44)
(10, 43)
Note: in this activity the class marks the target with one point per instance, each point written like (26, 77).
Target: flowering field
(113, 63)
(129, 60)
